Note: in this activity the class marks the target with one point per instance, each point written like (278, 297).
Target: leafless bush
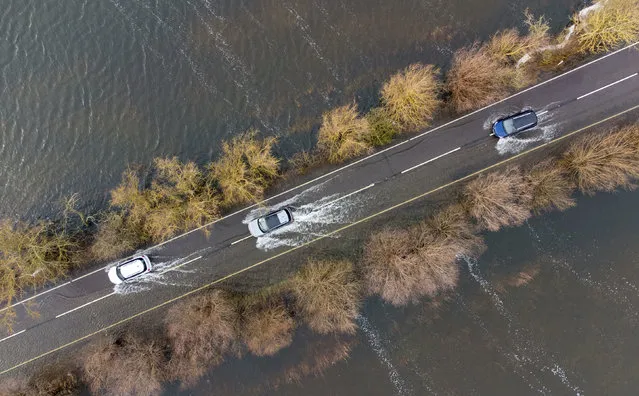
(604, 161)
(126, 365)
(498, 199)
(614, 23)
(55, 380)
(410, 97)
(200, 330)
(115, 237)
(551, 187)
(343, 134)
(328, 295)
(476, 79)
(452, 227)
(266, 326)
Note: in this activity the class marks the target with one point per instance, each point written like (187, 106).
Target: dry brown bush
(200, 330)
(55, 380)
(343, 134)
(14, 386)
(476, 79)
(614, 23)
(328, 296)
(410, 97)
(245, 169)
(604, 161)
(303, 161)
(551, 187)
(498, 199)
(125, 365)
(452, 227)
(508, 46)
(30, 257)
(115, 237)
(266, 326)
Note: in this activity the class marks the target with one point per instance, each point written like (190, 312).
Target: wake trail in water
(374, 340)
(522, 343)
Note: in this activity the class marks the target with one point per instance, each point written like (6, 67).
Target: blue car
(514, 124)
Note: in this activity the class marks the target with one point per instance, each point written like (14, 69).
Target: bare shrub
(14, 386)
(30, 256)
(343, 134)
(508, 46)
(614, 23)
(498, 199)
(200, 330)
(126, 365)
(452, 227)
(410, 97)
(382, 128)
(266, 326)
(303, 161)
(604, 161)
(55, 380)
(328, 296)
(115, 237)
(476, 79)
(551, 187)
(245, 169)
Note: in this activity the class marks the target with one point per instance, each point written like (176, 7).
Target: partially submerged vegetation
(611, 24)
(343, 134)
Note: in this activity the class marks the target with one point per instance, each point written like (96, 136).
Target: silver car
(130, 269)
(267, 223)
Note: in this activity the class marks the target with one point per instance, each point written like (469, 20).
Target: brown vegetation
(382, 128)
(498, 199)
(303, 161)
(266, 325)
(551, 187)
(53, 380)
(477, 79)
(115, 237)
(200, 330)
(124, 366)
(245, 169)
(343, 134)
(328, 296)
(452, 227)
(410, 97)
(30, 256)
(614, 23)
(605, 161)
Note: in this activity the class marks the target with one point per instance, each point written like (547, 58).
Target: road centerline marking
(346, 196)
(84, 305)
(430, 160)
(607, 86)
(180, 265)
(13, 335)
(241, 240)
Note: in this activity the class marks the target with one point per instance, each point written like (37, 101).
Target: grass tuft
(498, 199)
(410, 97)
(328, 296)
(343, 134)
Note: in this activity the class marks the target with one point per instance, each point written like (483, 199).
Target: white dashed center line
(607, 86)
(430, 160)
(84, 305)
(240, 240)
(12, 335)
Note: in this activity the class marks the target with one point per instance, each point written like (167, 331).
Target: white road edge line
(607, 86)
(240, 240)
(358, 161)
(84, 305)
(430, 160)
(347, 195)
(181, 265)
(13, 335)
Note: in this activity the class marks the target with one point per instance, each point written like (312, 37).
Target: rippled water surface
(90, 86)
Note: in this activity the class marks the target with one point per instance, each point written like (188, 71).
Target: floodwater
(551, 307)
(91, 86)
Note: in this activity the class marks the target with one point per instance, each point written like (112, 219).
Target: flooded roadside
(549, 308)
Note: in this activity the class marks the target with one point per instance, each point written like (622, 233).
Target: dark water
(90, 86)
(550, 308)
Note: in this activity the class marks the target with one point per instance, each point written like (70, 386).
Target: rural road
(591, 95)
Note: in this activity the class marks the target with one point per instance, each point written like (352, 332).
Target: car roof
(524, 119)
(132, 268)
(275, 219)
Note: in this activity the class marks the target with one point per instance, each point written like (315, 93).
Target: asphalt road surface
(594, 94)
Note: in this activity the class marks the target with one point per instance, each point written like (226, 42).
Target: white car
(265, 224)
(130, 269)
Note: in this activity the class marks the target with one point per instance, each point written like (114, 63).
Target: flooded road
(549, 308)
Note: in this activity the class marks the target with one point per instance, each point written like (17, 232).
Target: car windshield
(269, 222)
(519, 122)
(131, 269)
(509, 127)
